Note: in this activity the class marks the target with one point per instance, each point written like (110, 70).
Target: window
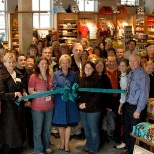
(130, 2)
(3, 29)
(88, 5)
(42, 20)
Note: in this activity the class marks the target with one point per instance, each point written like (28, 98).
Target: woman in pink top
(42, 107)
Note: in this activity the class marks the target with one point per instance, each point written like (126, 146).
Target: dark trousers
(117, 131)
(130, 121)
(29, 126)
(7, 150)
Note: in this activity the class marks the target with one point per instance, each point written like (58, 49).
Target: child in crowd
(124, 68)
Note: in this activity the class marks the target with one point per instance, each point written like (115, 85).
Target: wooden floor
(76, 147)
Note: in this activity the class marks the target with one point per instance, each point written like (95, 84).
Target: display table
(149, 116)
(138, 139)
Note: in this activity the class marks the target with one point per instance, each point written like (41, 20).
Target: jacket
(92, 99)
(13, 118)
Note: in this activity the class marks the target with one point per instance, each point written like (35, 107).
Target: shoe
(48, 151)
(120, 146)
(85, 150)
(67, 151)
(61, 149)
(56, 135)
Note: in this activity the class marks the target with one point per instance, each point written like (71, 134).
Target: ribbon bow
(70, 92)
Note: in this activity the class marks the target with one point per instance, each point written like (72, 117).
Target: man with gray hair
(47, 52)
(136, 99)
(77, 67)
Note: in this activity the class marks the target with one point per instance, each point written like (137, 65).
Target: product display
(67, 26)
(150, 106)
(144, 130)
(14, 33)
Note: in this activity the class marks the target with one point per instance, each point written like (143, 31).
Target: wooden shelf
(139, 30)
(69, 38)
(15, 45)
(13, 41)
(66, 28)
(63, 18)
(68, 35)
(139, 25)
(138, 139)
(66, 19)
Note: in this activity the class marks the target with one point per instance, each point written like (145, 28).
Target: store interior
(107, 20)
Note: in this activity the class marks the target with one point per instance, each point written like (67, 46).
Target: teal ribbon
(70, 92)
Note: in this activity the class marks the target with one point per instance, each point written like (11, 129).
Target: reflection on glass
(44, 20)
(45, 5)
(36, 20)
(2, 8)
(35, 5)
(2, 21)
(81, 5)
(88, 6)
(2, 35)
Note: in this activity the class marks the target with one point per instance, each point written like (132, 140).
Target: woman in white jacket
(124, 68)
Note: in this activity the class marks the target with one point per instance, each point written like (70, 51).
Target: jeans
(91, 128)
(41, 129)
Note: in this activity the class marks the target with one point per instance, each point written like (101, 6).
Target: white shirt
(128, 53)
(123, 86)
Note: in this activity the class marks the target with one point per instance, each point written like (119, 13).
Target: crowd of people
(50, 66)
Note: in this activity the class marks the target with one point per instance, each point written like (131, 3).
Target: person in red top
(83, 31)
(113, 73)
(42, 107)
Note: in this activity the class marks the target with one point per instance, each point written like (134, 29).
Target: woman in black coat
(106, 101)
(90, 107)
(13, 126)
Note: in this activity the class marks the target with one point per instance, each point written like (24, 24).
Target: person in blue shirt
(136, 99)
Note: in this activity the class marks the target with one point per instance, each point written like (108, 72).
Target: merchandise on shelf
(150, 134)
(67, 26)
(150, 106)
(88, 29)
(59, 9)
(105, 10)
(144, 130)
(141, 129)
(140, 10)
(115, 10)
(141, 37)
(74, 8)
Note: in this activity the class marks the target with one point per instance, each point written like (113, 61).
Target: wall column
(25, 21)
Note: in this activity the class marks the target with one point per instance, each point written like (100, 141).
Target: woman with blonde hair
(85, 44)
(149, 68)
(65, 112)
(12, 89)
(150, 52)
(144, 57)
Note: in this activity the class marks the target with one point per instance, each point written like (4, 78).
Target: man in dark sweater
(20, 66)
